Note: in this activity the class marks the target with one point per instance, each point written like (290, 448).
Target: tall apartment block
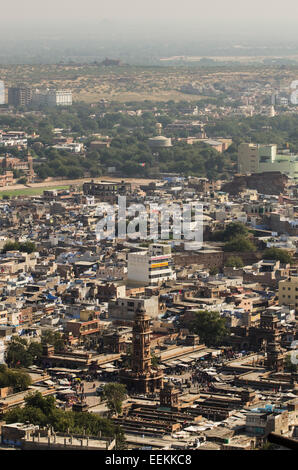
(19, 96)
(2, 92)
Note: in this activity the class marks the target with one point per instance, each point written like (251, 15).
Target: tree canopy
(210, 327)
(54, 338)
(23, 247)
(278, 254)
(114, 393)
(15, 378)
(232, 230)
(239, 244)
(20, 353)
(42, 411)
(234, 262)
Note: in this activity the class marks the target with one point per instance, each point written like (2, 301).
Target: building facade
(152, 267)
(288, 292)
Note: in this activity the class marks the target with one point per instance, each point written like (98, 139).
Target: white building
(73, 147)
(59, 98)
(151, 267)
(52, 97)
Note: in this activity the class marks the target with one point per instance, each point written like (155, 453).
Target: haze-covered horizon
(69, 10)
(136, 31)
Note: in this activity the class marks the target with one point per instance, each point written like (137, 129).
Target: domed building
(159, 142)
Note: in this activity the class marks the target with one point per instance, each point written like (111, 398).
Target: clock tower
(141, 377)
(141, 357)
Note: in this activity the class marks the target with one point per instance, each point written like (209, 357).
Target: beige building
(288, 292)
(251, 155)
(256, 158)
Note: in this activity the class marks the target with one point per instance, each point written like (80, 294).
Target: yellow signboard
(159, 265)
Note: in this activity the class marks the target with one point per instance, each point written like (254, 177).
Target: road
(64, 182)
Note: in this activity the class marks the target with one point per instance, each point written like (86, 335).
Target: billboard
(159, 265)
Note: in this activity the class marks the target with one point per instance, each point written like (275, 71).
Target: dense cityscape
(149, 254)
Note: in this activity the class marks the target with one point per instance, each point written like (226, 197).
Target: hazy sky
(213, 10)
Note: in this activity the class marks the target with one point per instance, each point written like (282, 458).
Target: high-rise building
(2, 92)
(19, 96)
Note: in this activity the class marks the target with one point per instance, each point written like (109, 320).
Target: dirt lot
(56, 183)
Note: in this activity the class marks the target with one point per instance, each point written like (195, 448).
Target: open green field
(28, 191)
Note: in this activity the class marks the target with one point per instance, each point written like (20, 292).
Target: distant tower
(169, 396)
(272, 111)
(141, 377)
(5, 162)
(30, 167)
(141, 360)
(159, 128)
(274, 359)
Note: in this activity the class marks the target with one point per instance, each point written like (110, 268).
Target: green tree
(210, 327)
(42, 411)
(20, 353)
(278, 254)
(234, 262)
(15, 378)
(232, 230)
(54, 338)
(35, 351)
(235, 229)
(25, 247)
(240, 244)
(213, 271)
(289, 366)
(17, 354)
(114, 393)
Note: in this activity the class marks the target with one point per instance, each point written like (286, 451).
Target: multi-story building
(256, 158)
(59, 98)
(125, 308)
(19, 96)
(288, 292)
(52, 97)
(250, 155)
(261, 421)
(107, 191)
(2, 92)
(152, 266)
